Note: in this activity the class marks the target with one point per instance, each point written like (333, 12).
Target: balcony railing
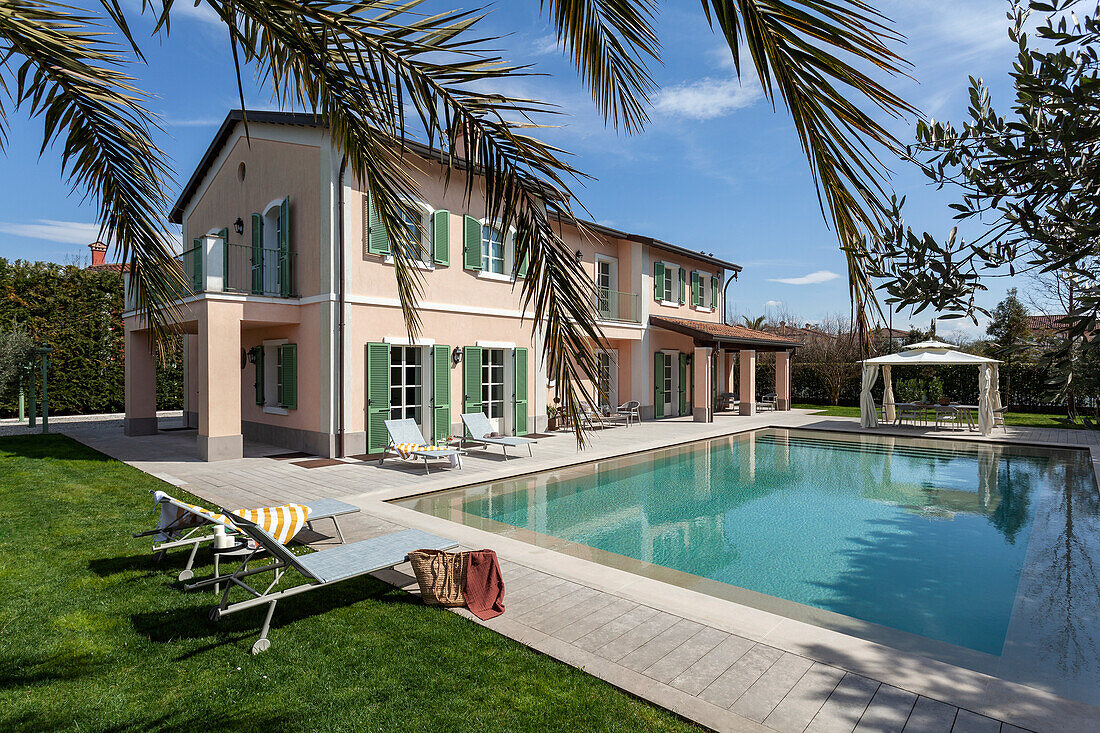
(215, 266)
(614, 305)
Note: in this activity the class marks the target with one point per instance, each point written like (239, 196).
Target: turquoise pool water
(926, 537)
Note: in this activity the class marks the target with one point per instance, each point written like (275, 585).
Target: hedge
(77, 311)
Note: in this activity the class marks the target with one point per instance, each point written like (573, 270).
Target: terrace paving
(721, 664)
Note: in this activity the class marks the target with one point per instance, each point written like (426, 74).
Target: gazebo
(923, 354)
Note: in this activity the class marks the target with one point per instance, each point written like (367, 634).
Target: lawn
(1013, 419)
(94, 636)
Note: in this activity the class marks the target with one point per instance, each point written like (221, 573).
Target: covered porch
(723, 361)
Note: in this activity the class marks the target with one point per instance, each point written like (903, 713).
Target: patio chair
(479, 429)
(948, 415)
(406, 441)
(185, 525)
(999, 419)
(727, 401)
(769, 401)
(912, 413)
(627, 412)
(320, 569)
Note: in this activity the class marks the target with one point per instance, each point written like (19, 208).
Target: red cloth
(484, 589)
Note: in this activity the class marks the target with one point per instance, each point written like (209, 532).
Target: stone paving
(725, 666)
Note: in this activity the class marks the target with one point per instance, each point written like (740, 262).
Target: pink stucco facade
(294, 354)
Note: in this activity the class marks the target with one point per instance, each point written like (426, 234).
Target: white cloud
(772, 303)
(706, 99)
(63, 232)
(821, 276)
(546, 46)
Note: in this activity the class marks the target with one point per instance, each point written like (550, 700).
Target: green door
(471, 379)
(257, 254)
(659, 392)
(288, 376)
(441, 392)
(378, 396)
(714, 379)
(684, 392)
(284, 248)
(521, 392)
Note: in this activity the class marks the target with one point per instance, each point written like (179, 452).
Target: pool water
(926, 537)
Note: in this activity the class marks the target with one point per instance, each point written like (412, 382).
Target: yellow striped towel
(281, 522)
(405, 450)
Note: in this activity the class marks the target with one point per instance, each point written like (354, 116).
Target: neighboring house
(295, 335)
(99, 259)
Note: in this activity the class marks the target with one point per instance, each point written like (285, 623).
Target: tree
(754, 323)
(1010, 332)
(833, 355)
(1028, 180)
(16, 357)
(379, 72)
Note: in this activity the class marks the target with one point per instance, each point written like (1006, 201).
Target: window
(668, 385)
(407, 383)
(492, 250)
(607, 375)
(276, 376)
(418, 224)
(492, 383)
(666, 293)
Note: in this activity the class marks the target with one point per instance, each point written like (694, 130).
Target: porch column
(218, 380)
(700, 361)
(747, 393)
(783, 380)
(141, 384)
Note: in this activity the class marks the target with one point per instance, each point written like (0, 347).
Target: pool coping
(979, 692)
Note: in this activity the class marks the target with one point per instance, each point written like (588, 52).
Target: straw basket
(441, 576)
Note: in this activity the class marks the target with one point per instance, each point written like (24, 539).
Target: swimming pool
(929, 538)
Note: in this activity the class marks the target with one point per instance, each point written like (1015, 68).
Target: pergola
(928, 353)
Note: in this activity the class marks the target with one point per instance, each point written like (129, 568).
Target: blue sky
(716, 170)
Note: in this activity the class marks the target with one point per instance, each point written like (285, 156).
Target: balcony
(216, 266)
(613, 305)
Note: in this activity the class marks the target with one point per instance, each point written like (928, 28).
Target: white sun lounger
(196, 532)
(407, 433)
(320, 569)
(478, 426)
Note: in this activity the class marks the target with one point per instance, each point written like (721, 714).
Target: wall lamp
(238, 226)
(579, 255)
(252, 356)
(456, 355)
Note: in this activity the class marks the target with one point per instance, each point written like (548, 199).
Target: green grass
(1014, 419)
(94, 636)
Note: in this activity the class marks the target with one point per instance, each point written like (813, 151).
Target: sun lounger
(320, 569)
(406, 441)
(479, 429)
(186, 525)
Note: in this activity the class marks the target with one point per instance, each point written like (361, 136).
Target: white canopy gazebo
(923, 354)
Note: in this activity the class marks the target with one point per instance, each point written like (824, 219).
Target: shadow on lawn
(176, 720)
(105, 567)
(54, 445)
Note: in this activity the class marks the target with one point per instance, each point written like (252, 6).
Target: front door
(407, 384)
(606, 286)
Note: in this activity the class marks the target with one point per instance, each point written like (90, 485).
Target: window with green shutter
(714, 287)
(441, 392)
(660, 391)
(683, 285)
(471, 379)
(695, 288)
(259, 352)
(471, 243)
(521, 262)
(196, 266)
(288, 376)
(257, 254)
(521, 411)
(378, 396)
(441, 237)
(658, 281)
(283, 242)
(378, 239)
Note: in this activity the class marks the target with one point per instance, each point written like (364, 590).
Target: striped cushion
(281, 522)
(407, 450)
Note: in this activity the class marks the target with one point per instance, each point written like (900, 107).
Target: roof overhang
(724, 336)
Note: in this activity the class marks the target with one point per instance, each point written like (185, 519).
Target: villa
(294, 335)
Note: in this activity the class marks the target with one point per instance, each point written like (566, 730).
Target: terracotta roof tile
(721, 331)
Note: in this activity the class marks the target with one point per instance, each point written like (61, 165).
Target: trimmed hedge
(79, 313)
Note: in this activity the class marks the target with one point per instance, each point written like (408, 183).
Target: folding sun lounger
(407, 441)
(320, 569)
(479, 429)
(185, 525)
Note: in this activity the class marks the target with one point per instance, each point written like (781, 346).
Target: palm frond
(68, 75)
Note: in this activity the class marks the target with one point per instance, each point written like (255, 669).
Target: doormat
(367, 456)
(318, 463)
(288, 456)
(539, 435)
(172, 430)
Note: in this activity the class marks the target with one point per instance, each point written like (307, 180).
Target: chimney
(99, 253)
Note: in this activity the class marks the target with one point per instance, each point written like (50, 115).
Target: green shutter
(713, 292)
(441, 237)
(196, 266)
(378, 239)
(683, 285)
(223, 234)
(257, 254)
(696, 289)
(260, 375)
(684, 384)
(521, 264)
(471, 379)
(471, 243)
(284, 248)
(714, 379)
(521, 392)
(378, 396)
(441, 392)
(658, 384)
(288, 376)
(658, 281)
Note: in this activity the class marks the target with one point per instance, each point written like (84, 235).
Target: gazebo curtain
(997, 388)
(867, 412)
(888, 394)
(985, 399)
